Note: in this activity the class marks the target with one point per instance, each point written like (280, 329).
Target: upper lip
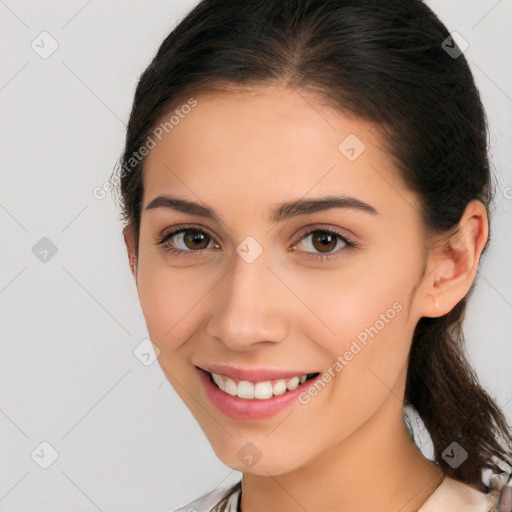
(252, 374)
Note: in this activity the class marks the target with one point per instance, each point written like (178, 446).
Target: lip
(251, 409)
(253, 374)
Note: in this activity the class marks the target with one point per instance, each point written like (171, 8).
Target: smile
(259, 390)
(253, 400)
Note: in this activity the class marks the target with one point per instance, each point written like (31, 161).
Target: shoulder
(450, 495)
(453, 495)
(210, 499)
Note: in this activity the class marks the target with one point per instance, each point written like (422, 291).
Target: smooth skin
(243, 153)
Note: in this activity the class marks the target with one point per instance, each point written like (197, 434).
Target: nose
(250, 307)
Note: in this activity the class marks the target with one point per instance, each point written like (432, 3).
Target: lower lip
(251, 409)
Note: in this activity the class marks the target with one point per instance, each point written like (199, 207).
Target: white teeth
(263, 390)
(217, 378)
(259, 390)
(279, 387)
(245, 389)
(293, 383)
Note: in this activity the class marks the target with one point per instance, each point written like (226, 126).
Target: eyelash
(350, 244)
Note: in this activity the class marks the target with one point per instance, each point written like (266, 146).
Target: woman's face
(252, 289)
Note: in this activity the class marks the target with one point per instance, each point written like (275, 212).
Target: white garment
(450, 496)
(453, 495)
(206, 502)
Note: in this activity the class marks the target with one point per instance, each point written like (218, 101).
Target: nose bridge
(249, 309)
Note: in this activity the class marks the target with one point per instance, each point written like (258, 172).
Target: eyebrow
(283, 212)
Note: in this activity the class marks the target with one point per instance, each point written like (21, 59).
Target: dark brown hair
(383, 62)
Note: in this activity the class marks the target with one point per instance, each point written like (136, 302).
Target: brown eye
(323, 241)
(324, 244)
(194, 239)
(186, 240)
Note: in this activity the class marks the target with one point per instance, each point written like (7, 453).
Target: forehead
(269, 144)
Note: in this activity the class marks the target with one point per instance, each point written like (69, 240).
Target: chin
(246, 457)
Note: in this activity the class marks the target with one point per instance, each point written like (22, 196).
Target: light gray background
(70, 325)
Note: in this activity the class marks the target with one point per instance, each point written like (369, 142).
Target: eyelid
(343, 233)
(167, 232)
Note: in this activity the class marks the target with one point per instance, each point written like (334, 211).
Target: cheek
(169, 301)
(361, 314)
(345, 303)
(368, 311)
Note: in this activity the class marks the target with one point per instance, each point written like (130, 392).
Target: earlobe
(455, 261)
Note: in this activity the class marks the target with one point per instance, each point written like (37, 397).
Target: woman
(305, 187)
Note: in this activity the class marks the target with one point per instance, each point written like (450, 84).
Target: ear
(452, 264)
(131, 247)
